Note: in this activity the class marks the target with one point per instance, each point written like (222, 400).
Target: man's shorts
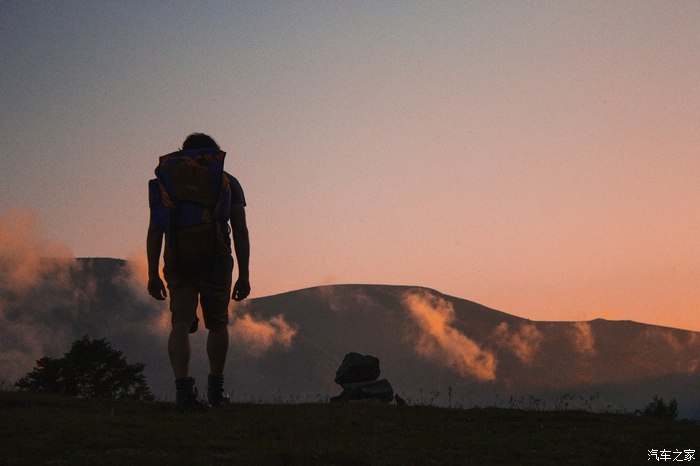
(214, 297)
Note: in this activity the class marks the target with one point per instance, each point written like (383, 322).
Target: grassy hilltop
(39, 429)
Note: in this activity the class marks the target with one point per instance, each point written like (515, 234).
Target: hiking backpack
(196, 203)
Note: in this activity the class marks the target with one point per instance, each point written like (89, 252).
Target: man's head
(199, 141)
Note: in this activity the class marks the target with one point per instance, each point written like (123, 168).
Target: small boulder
(357, 368)
(376, 390)
(358, 376)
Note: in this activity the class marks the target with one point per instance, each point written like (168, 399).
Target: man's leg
(217, 349)
(215, 301)
(179, 349)
(183, 304)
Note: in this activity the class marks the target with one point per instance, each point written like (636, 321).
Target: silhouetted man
(191, 202)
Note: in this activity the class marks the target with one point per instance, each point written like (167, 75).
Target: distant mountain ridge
(478, 355)
(433, 348)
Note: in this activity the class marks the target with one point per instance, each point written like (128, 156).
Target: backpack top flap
(191, 181)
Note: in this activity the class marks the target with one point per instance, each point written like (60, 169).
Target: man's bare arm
(154, 244)
(241, 245)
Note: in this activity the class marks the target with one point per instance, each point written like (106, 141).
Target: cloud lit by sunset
(440, 341)
(255, 335)
(583, 337)
(524, 342)
(25, 254)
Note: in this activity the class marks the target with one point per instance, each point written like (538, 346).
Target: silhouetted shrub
(91, 369)
(659, 409)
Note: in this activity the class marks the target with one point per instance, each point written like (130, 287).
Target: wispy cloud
(441, 342)
(256, 335)
(341, 299)
(678, 343)
(583, 338)
(524, 342)
(25, 256)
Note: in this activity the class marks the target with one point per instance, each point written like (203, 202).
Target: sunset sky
(538, 157)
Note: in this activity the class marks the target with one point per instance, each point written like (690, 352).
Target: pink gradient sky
(541, 158)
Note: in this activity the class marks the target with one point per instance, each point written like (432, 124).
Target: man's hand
(156, 288)
(241, 289)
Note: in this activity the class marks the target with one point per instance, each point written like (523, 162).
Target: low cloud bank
(35, 276)
(48, 299)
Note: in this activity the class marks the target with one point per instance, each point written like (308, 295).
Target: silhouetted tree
(47, 377)
(91, 369)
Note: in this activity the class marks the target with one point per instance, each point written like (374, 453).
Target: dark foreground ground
(52, 430)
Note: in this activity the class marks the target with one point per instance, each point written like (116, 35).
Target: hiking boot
(219, 399)
(215, 391)
(187, 396)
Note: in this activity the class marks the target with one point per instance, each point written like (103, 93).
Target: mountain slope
(428, 342)
(433, 348)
